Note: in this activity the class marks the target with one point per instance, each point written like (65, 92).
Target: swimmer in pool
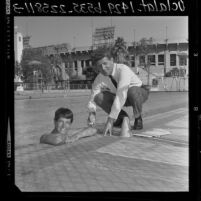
(61, 133)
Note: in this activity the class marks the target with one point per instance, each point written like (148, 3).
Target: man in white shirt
(115, 86)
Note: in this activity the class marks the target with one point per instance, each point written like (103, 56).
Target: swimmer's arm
(53, 139)
(86, 132)
(59, 139)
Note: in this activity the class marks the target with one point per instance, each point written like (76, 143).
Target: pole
(92, 37)
(74, 41)
(148, 68)
(165, 58)
(110, 40)
(135, 51)
(111, 21)
(134, 34)
(26, 28)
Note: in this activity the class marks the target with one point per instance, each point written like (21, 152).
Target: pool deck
(154, 159)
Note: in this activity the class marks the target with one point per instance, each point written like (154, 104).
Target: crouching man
(61, 133)
(115, 86)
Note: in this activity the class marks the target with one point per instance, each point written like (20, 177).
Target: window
(66, 67)
(82, 63)
(182, 61)
(132, 60)
(161, 59)
(132, 63)
(20, 39)
(132, 57)
(142, 60)
(172, 59)
(87, 63)
(75, 63)
(152, 59)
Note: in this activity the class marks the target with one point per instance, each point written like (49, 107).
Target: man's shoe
(120, 119)
(138, 125)
(118, 123)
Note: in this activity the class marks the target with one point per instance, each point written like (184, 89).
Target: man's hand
(91, 119)
(109, 126)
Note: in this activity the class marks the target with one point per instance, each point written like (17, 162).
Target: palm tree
(18, 68)
(143, 49)
(119, 51)
(33, 60)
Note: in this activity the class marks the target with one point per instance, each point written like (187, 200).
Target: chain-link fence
(175, 83)
(47, 87)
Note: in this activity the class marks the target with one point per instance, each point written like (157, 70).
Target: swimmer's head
(63, 119)
(65, 113)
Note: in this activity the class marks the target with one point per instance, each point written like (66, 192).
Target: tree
(18, 68)
(119, 51)
(42, 65)
(56, 60)
(143, 48)
(71, 71)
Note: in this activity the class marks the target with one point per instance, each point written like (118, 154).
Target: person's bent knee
(138, 94)
(133, 93)
(104, 100)
(99, 98)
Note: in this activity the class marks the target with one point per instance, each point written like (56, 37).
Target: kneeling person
(61, 133)
(115, 86)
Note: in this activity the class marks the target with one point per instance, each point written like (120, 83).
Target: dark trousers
(136, 96)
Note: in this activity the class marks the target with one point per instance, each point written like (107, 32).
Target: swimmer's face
(62, 125)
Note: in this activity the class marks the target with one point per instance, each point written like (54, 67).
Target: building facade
(77, 60)
(162, 57)
(18, 46)
(26, 40)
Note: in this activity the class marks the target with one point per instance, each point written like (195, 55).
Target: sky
(77, 31)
